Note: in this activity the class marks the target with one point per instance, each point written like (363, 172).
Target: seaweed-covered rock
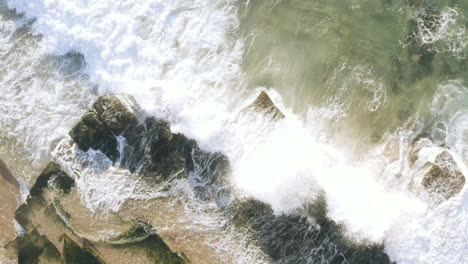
(74, 254)
(264, 105)
(33, 247)
(109, 117)
(443, 177)
(88, 131)
(52, 173)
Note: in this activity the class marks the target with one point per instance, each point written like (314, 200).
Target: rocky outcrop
(153, 151)
(158, 155)
(48, 237)
(151, 148)
(265, 106)
(441, 176)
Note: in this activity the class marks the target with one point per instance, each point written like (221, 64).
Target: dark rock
(52, 173)
(63, 182)
(264, 105)
(118, 113)
(151, 148)
(252, 212)
(52, 176)
(158, 154)
(303, 236)
(443, 178)
(88, 131)
(32, 247)
(155, 151)
(109, 117)
(157, 250)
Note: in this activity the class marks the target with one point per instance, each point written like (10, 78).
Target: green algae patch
(52, 173)
(74, 254)
(33, 247)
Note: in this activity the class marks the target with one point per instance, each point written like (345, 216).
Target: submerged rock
(265, 106)
(418, 145)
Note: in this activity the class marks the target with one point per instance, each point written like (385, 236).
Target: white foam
(178, 51)
(40, 96)
(444, 30)
(439, 235)
(436, 237)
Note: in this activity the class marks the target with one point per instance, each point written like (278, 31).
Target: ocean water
(357, 80)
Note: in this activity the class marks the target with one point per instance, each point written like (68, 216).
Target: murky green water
(370, 64)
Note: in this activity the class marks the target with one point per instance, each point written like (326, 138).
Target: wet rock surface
(442, 178)
(48, 238)
(265, 106)
(150, 147)
(306, 236)
(109, 116)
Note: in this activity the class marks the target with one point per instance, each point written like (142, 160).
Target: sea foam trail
(181, 59)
